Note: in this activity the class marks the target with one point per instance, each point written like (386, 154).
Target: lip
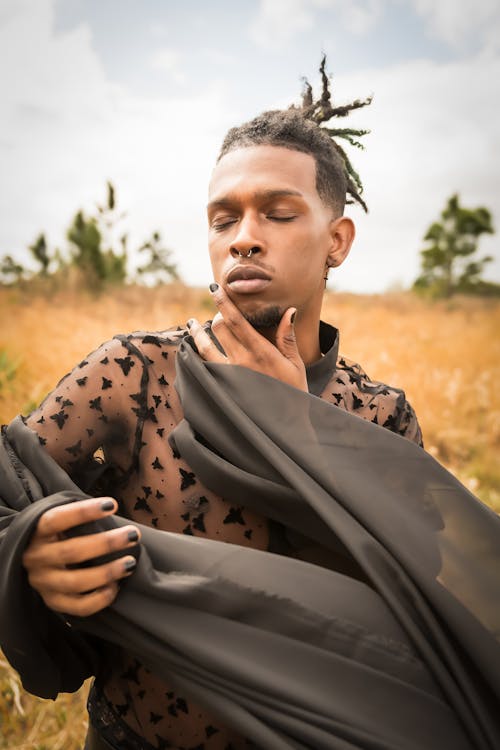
(248, 286)
(247, 279)
(246, 272)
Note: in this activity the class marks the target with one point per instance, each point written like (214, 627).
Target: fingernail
(292, 317)
(190, 322)
(107, 505)
(133, 535)
(130, 563)
(213, 287)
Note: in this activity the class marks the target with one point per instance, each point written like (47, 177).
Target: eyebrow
(259, 195)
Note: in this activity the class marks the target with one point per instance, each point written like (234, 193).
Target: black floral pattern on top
(109, 426)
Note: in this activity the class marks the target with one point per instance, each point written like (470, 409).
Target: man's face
(264, 199)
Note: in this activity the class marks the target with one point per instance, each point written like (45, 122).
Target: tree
(40, 253)
(446, 263)
(11, 272)
(160, 266)
(98, 248)
(87, 236)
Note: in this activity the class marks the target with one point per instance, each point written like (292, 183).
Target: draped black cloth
(290, 654)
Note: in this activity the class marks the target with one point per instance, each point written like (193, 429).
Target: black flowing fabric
(290, 654)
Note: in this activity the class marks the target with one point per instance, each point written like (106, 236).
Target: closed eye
(281, 218)
(220, 226)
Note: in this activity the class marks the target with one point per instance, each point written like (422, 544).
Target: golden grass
(446, 355)
(30, 723)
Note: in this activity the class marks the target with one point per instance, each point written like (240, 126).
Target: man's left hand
(245, 346)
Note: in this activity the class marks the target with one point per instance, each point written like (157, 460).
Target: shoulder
(352, 389)
(153, 349)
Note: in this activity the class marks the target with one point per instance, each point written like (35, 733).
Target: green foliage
(97, 265)
(159, 266)
(97, 251)
(446, 263)
(39, 251)
(10, 271)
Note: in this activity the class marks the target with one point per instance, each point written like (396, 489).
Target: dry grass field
(445, 355)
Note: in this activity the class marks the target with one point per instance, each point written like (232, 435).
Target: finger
(233, 348)
(206, 347)
(235, 321)
(286, 341)
(64, 517)
(82, 605)
(80, 549)
(81, 581)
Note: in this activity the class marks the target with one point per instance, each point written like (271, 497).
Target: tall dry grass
(445, 355)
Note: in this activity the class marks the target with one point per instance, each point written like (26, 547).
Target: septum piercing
(246, 255)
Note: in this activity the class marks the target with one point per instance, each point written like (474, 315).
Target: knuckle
(66, 553)
(110, 573)
(27, 559)
(70, 582)
(35, 581)
(104, 597)
(48, 600)
(46, 522)
(112, 540)
(82, 607)
(55, 602)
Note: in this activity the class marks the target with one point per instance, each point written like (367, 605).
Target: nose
(248, 240)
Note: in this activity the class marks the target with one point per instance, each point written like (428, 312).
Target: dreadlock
(299, 129)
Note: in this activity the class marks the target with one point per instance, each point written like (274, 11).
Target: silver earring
(246, 255)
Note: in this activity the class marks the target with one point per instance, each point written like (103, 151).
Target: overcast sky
(142, 93)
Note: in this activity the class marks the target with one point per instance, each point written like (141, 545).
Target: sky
(142, 94)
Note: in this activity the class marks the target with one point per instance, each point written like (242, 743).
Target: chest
(165, 493)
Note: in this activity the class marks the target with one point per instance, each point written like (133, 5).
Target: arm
(84, 413)
(408, 425)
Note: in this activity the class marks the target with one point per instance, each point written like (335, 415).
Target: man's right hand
(81, 591)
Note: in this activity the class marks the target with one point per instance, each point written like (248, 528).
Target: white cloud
(169, 61)
(65, 130)
(360, 16)
(278, 22)
(435, 131)
(461, 22)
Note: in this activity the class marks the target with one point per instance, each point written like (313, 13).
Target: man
(276, 227)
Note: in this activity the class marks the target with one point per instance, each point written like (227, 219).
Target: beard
(269, 317)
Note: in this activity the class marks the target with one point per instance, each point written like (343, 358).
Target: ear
(342, 233)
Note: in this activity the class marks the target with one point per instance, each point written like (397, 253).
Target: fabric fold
(289, 654)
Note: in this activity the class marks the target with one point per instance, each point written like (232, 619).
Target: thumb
(285, 336)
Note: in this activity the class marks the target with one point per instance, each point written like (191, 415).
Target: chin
(265, 317)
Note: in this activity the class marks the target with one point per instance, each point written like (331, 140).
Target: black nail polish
(107, 505)
(292, 317)
(130, 564)
(133, 535)
(213, 287)
(190, 322)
